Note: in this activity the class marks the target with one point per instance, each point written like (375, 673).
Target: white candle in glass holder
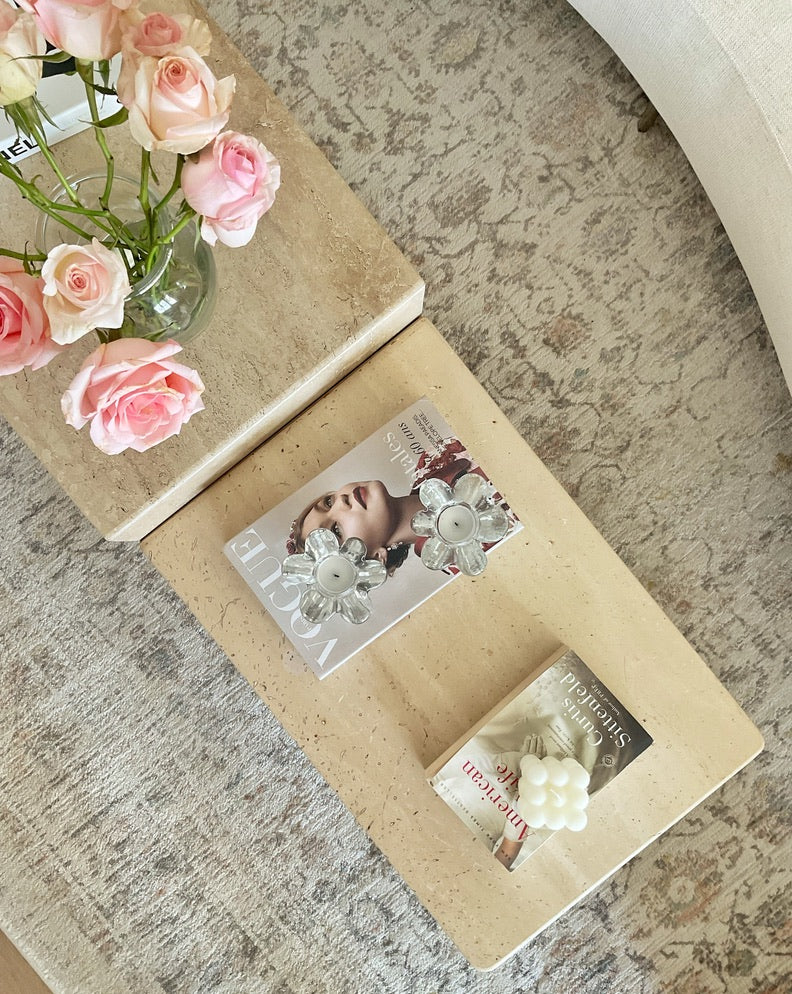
(457, 524)
(335, 575)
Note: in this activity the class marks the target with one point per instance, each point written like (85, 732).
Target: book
(564, 711)
(415, 445)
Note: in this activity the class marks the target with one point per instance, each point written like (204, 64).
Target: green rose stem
(185, 220)
(29, 114)
(85, 72)
(143, 196)
(122, 233)
(187, 215)
(153, 216)
(25, 116)
(32, 193)
(166, 239)
(24, 256)
(174, 185)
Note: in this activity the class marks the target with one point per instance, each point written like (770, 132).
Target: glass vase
(176, 297)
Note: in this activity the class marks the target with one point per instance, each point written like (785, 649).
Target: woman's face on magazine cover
(365, 510)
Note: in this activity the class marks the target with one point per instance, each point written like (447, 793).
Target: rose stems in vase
(31, 192)
(85, 72)
(120, 231)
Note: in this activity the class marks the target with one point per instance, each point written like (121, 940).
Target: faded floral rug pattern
(154, 836)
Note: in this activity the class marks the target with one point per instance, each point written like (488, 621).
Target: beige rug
(153, 832)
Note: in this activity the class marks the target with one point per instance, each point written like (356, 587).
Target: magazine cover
(565, 711)
(370, 493)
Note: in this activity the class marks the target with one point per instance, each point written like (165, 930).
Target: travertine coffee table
(318, 290)
(373, 725)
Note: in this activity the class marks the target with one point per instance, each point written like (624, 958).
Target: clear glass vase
(176, 298)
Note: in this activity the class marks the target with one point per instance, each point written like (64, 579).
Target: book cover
(564, 711)
(371, 493)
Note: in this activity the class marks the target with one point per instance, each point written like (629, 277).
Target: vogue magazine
(370, 493)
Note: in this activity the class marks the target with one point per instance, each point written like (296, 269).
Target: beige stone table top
(318, 290)
(372, 726)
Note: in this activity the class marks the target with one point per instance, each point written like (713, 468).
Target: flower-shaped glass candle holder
(338, 579)
(553, 793)
(458, 522)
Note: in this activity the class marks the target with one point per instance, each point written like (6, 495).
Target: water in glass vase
(173, 290)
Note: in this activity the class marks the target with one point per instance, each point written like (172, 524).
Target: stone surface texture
(154, 830)
(318, 289)
(372, 728)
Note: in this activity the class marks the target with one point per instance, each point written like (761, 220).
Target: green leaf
(43, 111)
(30, 262)
(108, 91)
(53, 57)
(26, 116)
(119, 117)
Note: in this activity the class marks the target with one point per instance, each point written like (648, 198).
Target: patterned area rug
(153, 829)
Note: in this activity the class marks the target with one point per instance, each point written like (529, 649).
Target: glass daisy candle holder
(458, 522)
(337, 578)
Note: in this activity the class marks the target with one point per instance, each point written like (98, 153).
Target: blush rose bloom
(19, 37)
(231, 183)
(24, 326)
(133, 394)
(176, 103)
(85, 287)
(156, 35)
(86, 29)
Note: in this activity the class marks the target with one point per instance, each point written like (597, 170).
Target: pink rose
(177, 104)
(85, 287)
(156, 35)
(86, 29)
(231, 183)
(24, 327)
(133, 395)
(159, 34)
(19, 38)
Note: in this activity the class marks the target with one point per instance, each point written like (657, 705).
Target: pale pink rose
(156, 35)
(159, 34)
(85, 287)
(19, 38)
(86, 29)
(133, 394)
(177, 104)
(24, 326)
(231, 183)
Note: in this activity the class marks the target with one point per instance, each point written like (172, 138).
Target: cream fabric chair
(719, 73)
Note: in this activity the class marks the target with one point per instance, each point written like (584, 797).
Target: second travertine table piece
(320, 288)
(375, 723)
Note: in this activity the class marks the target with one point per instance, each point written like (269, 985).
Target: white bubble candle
(553, 793)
